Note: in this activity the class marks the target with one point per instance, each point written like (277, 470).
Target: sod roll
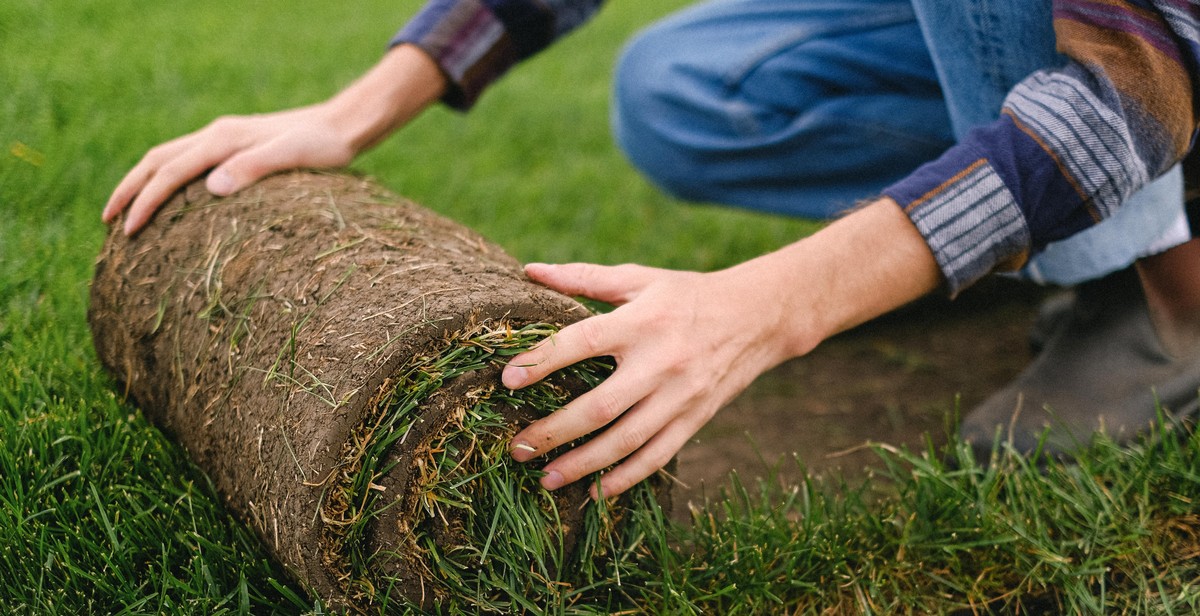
(328, 354)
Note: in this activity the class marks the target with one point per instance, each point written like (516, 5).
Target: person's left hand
(685, 344)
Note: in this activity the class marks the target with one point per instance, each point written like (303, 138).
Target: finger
(574, 343)
(177, 162)
(252, 164)
(140, 174)
(582, 416)
(642, 442)
(168, 179)
(650, 459)
(125, 191)
(615, 284)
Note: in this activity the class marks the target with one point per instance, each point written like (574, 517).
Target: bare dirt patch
(896, 380)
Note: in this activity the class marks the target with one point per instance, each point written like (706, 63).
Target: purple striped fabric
(477, 41)
(1072, 144)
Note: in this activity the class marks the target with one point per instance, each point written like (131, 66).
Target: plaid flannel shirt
(1070, 145)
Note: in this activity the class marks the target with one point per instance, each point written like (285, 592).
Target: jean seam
(990, 50)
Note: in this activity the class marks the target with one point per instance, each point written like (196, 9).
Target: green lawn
(99, 513)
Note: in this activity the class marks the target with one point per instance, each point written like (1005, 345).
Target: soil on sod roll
(328, 354)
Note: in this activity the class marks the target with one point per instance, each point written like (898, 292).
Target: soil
(261, 331)
(898, 380)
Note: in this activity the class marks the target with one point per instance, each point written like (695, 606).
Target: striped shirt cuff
(467, 40)
(970, 221)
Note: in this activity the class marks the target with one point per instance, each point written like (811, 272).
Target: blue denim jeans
(807, 107)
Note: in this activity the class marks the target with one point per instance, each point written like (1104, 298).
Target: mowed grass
(99, 513)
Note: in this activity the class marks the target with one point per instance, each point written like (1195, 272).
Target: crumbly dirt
(257, 329)
(897, 380)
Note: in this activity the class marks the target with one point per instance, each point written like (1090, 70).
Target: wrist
(776, 303)
(859, 267)
(401, 85)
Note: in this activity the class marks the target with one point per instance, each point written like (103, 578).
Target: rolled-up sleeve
(476, 41)
(1071, 144)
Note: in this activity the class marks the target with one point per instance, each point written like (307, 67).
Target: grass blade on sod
(329, 354)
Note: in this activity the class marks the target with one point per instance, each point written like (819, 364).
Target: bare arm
(687, 343)
(241, 149)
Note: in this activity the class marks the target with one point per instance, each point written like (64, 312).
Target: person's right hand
(240, 150)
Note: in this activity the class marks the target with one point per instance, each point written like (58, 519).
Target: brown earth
(896, 380)
(267, 332)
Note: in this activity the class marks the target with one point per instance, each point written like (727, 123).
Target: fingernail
(553, 480)
(522, 452)
(220, 182)
(532, 269)
(514, 377)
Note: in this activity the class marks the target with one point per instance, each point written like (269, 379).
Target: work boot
(1052, 315)
(1103, 368)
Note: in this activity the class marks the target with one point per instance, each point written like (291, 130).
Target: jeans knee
(694, 121)
(644, 107)
(790, 121)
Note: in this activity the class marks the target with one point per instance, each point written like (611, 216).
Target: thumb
(247, 167)
(617, 284)
(221, 182)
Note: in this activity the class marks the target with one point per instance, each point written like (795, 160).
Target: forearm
(397, 89)
(859, 267)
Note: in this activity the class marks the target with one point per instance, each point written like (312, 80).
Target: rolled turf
(329, 354)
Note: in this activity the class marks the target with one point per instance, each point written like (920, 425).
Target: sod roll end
(329, 354)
